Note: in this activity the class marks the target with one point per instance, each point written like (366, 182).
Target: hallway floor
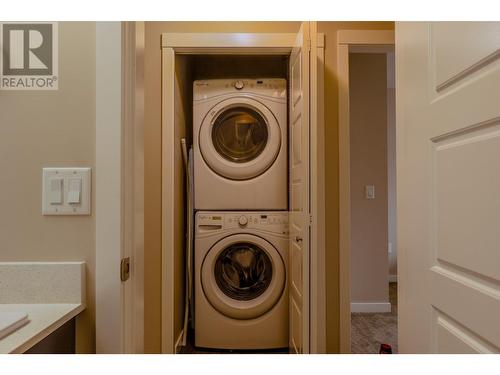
(369, 330)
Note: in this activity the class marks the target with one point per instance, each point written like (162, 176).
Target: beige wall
(152, 329)
(50, 128)
(368, 166)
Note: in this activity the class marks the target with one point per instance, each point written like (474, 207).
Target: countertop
(51, 293)
(43, 320)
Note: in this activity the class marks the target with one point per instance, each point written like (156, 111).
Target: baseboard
(393, 278)
(178, 346)
(370, 307)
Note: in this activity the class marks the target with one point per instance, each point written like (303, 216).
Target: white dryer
(240, 144)
(241, 295)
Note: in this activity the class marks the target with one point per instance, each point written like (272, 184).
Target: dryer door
(240, 138)
(243, 276)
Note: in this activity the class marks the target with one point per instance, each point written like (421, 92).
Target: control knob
(243, 220)
(238, 85)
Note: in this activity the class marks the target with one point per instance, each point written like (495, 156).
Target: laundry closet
(238, 218)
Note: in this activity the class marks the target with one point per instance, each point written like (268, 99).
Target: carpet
(369, 330)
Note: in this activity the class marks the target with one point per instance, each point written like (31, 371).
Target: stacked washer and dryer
(241, 218)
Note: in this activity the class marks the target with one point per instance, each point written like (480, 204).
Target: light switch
(74, 190)
(56, 190)
(66, 191)
(370, 191)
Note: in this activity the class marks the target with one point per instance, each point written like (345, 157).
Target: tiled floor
(369, 330)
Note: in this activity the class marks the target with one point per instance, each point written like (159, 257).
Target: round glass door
(243, 271)
(243, 276)
(239, 138)
(239, 134)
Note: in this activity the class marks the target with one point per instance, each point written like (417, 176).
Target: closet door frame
(173, 44)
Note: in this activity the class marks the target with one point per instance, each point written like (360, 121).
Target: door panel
(452, 61)
(449, 291)
(296, 269)
(453, 338)
(299, 193)
(295, 328)
(448, 128)
(462, 168)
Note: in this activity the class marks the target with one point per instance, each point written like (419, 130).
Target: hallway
(369, 330)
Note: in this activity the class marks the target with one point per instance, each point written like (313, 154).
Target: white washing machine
(241, 295)
(240, 144)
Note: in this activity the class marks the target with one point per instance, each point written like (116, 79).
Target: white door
(448, 157)
(299, 118)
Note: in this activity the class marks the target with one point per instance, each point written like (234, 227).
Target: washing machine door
(243, 276)
(239, 138)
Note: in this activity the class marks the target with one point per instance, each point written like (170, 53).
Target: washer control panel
(276, 222)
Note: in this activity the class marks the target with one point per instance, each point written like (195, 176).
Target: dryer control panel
(271, 87)
(275, 222)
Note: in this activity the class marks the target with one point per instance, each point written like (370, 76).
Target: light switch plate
(67, 175)
(370, 191)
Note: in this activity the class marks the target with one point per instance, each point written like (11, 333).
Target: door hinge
(310, 220)
(125, 269)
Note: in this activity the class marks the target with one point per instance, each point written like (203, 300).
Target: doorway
(303, 79)
(372, 202)
(364, 198)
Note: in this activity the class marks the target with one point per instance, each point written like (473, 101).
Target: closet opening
(241, 134)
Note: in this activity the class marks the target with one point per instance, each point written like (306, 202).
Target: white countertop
(43, 320)
(51, 293)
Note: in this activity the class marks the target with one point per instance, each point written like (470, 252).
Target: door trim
(345, 40)
(109, 291)
(317, 315)
(119, 186)
(236, 43)
(133, 182)
(229, 43)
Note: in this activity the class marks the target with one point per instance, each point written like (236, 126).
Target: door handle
(298, 239)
